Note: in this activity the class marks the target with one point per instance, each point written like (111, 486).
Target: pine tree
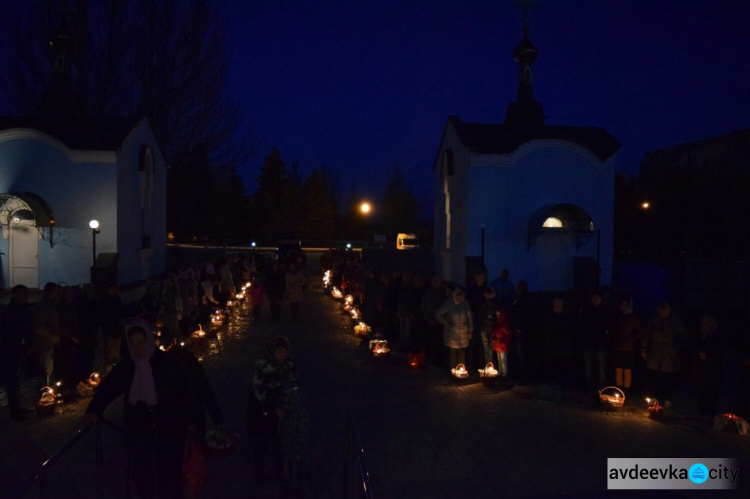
(318, 219)
(273, 208)
(400, 204)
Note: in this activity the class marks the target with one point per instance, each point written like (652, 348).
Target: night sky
(362, 86)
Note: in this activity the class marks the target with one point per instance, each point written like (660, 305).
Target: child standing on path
(501, 337)
(266, 407)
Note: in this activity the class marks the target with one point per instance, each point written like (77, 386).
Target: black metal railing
(356, 476)
(44, 468)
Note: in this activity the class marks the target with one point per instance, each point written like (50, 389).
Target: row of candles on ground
(219, 316)
(610, 396)
(360, 328)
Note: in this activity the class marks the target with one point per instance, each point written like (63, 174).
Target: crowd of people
(573, 343)
(577, 344)
(166, 392)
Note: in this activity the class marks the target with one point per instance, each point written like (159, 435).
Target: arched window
(553, 223)
(559, 218)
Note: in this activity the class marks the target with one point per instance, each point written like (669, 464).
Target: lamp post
(94, 224)
(483, 228)
(364, 226)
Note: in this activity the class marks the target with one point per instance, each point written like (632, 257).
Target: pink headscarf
(142, 388)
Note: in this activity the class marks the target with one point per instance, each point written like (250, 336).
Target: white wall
(501, 192)
(84, 185)
(78, 187)
(135, 262)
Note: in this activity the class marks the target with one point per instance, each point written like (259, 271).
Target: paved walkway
(423, 435)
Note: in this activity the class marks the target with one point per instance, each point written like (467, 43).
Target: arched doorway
(557, 233)
(21, 217)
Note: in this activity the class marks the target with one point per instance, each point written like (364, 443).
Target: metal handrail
(354, 452)
(46, 465)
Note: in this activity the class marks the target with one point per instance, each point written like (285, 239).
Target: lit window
(553, 223)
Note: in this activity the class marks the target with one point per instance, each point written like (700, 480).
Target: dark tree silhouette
(188, 216)
(273, 208)
(228, 211)
(318, 215)
(400, 204)
(163, 60)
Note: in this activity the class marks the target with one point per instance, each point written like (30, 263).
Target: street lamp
(482, 228)
(94, 224)
(365, 208)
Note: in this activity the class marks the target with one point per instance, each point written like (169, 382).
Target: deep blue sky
(361, 86)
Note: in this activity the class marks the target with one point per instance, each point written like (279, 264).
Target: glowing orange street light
(365, 207)
(645, 205)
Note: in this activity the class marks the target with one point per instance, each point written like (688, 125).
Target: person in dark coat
(67, 353)
(434, 297)
(155, 411)
(47, 330)
(294, 282)
(559, 345)
(525, 345)
(419, 325)
(16, 329)
(476, 352)
(406, 308)
(706, 360)
(505, 291)
(112, 312)
(88, 338)
(486, 317)
(628, 333)
(370, 283)
(201, 395)
(661, 348)
(596, 326)
(275, 289)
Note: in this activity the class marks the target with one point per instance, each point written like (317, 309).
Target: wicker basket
(220, 444)
(47, 402)
(380, 350)
(612, 398)
(416, 358)
(460, 372)
(199, 337)
(488, 375)
(655, 411)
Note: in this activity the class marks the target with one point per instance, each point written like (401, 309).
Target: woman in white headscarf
(156, 397)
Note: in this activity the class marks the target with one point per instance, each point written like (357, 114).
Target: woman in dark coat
(559, 345)
(155, 408)
(627, 334)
